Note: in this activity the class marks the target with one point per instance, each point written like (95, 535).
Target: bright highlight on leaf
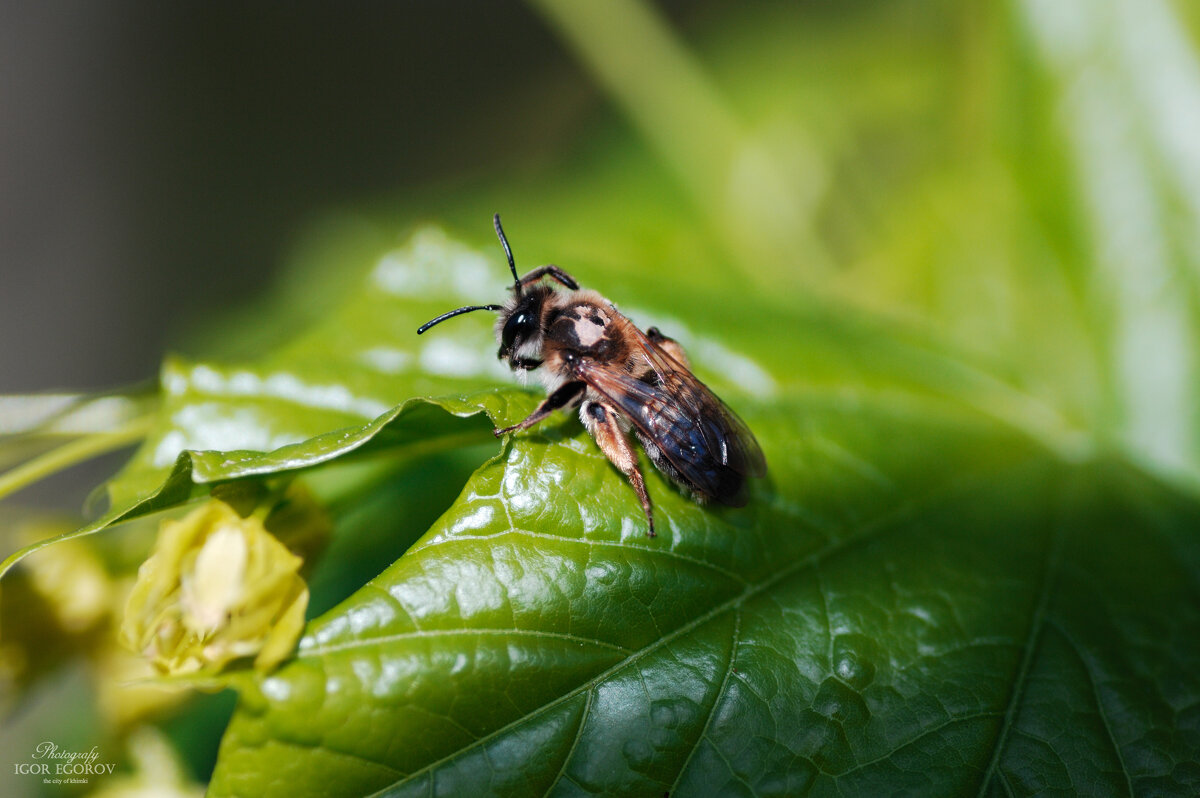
(218, 587)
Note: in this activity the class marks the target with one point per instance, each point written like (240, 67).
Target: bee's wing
(725, 431)
(710, 447)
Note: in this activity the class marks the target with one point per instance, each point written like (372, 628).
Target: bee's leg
(554, 272)
(565, 395)
(601, 421)
(668, 345)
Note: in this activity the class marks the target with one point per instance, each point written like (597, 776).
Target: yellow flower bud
(74, 581)
(217, 587)
(69, 577)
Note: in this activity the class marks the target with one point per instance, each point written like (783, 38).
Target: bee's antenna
(456, 312)
(507, 251)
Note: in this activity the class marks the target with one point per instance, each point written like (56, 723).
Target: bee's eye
(520, 325)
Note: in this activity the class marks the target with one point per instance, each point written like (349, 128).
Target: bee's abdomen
(685, 442)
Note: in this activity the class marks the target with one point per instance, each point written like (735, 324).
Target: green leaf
(338, 389)
(940, 588)
(419, 427)
(348, 372)
(919, 600)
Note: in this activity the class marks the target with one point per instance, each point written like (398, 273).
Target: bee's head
(519, 316)
(519, 328)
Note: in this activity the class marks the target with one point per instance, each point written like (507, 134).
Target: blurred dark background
(156, 160)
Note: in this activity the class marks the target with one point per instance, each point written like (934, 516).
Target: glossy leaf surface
(918, 600)
(338, 389)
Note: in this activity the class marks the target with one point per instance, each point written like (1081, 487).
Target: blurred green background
(1017, 180)
(1022, 177)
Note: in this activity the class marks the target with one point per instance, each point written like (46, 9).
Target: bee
(588, 355)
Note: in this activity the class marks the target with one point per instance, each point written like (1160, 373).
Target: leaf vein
(350, 645)
(1077, 650)
(668, 553)
(866, 530)
(344, 754)
(950, 721)
(712, 710)
(562, 770)
(1032, 639)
